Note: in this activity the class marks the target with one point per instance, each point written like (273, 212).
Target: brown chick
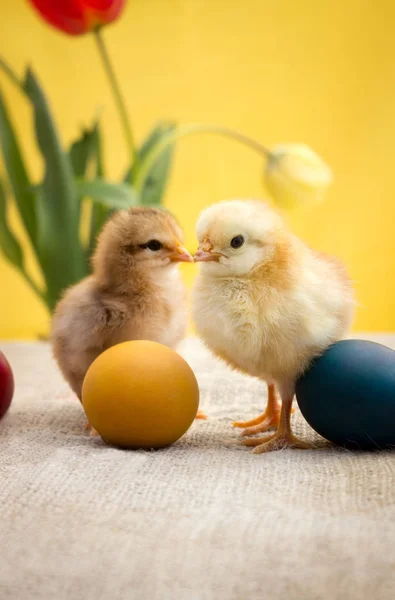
(135, 292)
(266, 304)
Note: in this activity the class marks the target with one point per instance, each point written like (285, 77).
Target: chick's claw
(262, 428)
(252, 423)
(260, 424)
(264, 423)
(278, 441)
(270, 419)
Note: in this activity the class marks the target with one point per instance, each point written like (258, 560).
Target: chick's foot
(270, 419)
(278, 441)
(201, 415)
(264, 422)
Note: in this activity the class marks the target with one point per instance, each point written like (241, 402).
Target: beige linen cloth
(204, 519)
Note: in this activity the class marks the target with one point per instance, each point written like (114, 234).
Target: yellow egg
(140, 394)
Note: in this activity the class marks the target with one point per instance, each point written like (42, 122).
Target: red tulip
(6, 385)
(78, 16)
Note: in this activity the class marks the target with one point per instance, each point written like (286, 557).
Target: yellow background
(318, 72)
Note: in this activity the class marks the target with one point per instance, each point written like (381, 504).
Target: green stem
(182, 131)
(119, 100)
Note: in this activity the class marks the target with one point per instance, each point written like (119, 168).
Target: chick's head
(143, 237)
(236, 236)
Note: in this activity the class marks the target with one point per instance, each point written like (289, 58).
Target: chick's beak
(205, 254)
(180, 254)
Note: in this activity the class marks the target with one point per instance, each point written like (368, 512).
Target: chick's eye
(237, 241)
(153, 245)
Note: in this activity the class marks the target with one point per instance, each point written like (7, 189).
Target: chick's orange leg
(283, 438)
(267, 420)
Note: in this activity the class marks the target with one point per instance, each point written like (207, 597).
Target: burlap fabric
(202, 520)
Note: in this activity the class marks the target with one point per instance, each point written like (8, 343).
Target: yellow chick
(135, 292)
(267, 304)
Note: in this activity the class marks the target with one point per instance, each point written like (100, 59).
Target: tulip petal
(66, 15)
(303, 164)
(296, 175)
(104, 11)
(76, 17)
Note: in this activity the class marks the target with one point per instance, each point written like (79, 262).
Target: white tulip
(296, 175)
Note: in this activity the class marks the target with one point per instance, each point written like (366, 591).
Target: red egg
(6, 385)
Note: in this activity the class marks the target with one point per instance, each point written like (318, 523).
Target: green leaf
(100, 213)
(58, 209)
(113, 195)
(12, 76)
(8, 242)
(83, 150)
(17, 173)
(84, 153)
(11, 248)
(155, 185)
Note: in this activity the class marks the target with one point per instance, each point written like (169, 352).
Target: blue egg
(348, 395)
